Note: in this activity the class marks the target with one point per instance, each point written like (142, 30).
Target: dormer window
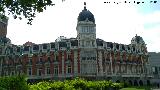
(68, 44)
(44, 46)
(99, 42)
(26, 48)
(18, 49)
(74, 43)
(111, 45)
(123, 48)
(52, 45)
(35, 47)
(117, 46)
(62, 44)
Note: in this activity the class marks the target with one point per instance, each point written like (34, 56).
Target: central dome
(137, 39)
(86, 14)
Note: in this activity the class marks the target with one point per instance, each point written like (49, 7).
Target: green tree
(23, 8)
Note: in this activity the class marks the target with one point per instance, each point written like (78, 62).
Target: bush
(76, 84)
(13, 83)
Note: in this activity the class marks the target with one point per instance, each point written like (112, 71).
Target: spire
(85, 6)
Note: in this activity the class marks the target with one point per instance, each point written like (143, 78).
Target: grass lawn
(136, 88)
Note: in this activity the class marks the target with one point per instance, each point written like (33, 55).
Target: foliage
(26, 8)
(19, 83)
(76, 84)
(13, 83)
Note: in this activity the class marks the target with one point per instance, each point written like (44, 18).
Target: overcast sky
(114, 22)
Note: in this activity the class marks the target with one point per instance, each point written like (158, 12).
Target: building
(84, 56)
(154, 60)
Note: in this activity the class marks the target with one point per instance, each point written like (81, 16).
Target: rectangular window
(88, 43)
(48, 70)
(93, 44)
(49, 59)
(18, 49)
(82, 43)
(26, 48)
(68, 44)
(29, 71)
(39, 71)
(56, 70)
(69, 56)
(30, 61)
(12, 73)
(69, 69)
(40, 60)
(52, 45)
(56, 57)
(44, 46)
(36, 47)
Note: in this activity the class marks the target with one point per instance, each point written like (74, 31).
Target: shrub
(13, 83)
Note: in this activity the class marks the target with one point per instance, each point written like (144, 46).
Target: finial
(85, 6)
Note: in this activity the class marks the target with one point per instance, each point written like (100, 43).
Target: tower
(86, 36)
(86, 29)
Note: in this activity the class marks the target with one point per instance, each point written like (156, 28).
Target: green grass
(137, 88)
(131, 89)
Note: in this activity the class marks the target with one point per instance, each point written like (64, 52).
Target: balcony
(100, 47)
(130, 75)
(74, 47)
(62, 48)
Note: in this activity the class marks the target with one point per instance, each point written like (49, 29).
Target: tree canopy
(23, 8)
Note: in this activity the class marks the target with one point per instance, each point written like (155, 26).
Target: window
(39, 71)
(52, 45)
(93, 43)
(56, 70)
(29, 71)
(20, 72)
(88, 43)
(69, 57)
(82, 29)
(12, 73)
(18, 49)
(56, 57)
(30, 61)
(123, 48)
(48, 70)
(49, 59)
(133, 48)
(44, 46)
(36, 47)
(40, 60)
(82, 43)
(68, 44)
(69, 69)
(6, 73)
(26, 48)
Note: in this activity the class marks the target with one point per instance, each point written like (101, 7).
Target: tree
(23, 8)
